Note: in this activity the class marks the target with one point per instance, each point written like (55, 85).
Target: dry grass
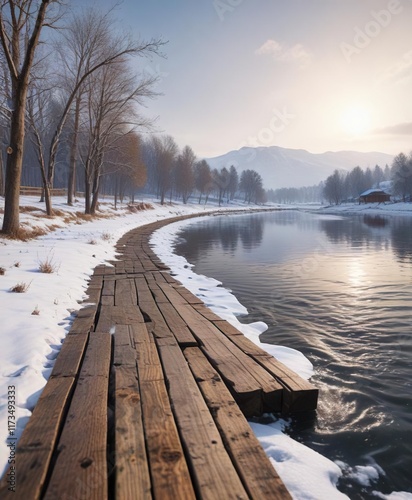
(138, 207)
(20, 287)
(47, 266)
(26, 233)
(106, 236)
(82, 216)
(16, 264)
(2, 271)
(36, 311)
(28, 209)
(92, 242)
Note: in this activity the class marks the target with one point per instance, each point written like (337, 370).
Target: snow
(389, 209)
(35, 323)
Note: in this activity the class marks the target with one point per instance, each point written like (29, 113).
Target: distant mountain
(281, 167)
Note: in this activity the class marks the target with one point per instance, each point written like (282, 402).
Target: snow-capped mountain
(281, 167)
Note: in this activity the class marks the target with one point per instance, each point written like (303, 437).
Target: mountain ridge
(287, 167)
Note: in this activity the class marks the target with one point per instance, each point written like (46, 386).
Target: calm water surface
(339, 290)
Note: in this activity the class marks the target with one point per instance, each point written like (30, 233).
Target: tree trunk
(1, 174)
(87, 196)
(71, 187)
(14, 165)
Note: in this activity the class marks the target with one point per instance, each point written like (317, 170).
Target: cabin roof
(373, 191)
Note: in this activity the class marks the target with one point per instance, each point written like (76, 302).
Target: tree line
(180, 175)
(343, 186)
(70, 115)
(348, 186)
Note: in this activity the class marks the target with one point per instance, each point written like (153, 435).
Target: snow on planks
(149, 394)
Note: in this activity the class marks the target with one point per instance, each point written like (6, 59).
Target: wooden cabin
(374, 196)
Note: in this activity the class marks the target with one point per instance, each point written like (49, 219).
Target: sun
(355, 120)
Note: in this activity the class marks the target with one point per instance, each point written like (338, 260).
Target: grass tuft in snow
(106, 236)
(20, 287)
(26, 233)
(47, 266)
(2, 271)
(36, 311)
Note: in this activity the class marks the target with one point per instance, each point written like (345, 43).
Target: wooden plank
(70, 356)
(182, 333)
(125, 293)
(168, 468)
(132, 471)
(298, 393)
(143, 291)
(80, 469)
(188, 296)
(213, 471)
(38, 441)
(108, 287)
(169, 472)
(255, 390)
(150, 309)
(107, 300)
(255, 470)
(124, 355)
(207, 313)
(110, 316)
(82, 325)
(148, 362)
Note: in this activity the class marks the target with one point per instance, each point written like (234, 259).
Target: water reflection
(373, 232)
(226, 233)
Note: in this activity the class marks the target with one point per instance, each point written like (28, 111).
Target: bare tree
(233, 182)
(21, 23)
(89, 45)
(165, 151)
(203, 179)
(112, 99)
(251, 184)
(402, 176)
(184, 175)
(125, 165)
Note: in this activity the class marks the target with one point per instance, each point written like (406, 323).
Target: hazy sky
(312, 74)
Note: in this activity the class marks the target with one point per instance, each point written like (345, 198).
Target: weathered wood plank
(179, 328)
(150, 309)
(256, 472)
(253, 387)
(125, 293)
(169, 472)
(213, 470)
(148, 363)
(68, 361)
(108, 287)
(132, 470)
(81, 463)
(207, 313)
(38, 441)
(107, 300)
(298, 393)
(110, 316)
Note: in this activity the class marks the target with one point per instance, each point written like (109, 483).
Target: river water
(339, 290)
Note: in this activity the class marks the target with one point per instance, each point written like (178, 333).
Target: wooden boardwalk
(149, 394)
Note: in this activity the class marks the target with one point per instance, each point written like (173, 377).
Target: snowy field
(34, 323)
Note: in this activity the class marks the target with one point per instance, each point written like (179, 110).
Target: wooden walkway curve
(149, 396)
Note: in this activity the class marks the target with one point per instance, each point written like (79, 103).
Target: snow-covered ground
(34, 323)
(368, 209)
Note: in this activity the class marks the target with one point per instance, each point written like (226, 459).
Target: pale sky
(321, 75)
